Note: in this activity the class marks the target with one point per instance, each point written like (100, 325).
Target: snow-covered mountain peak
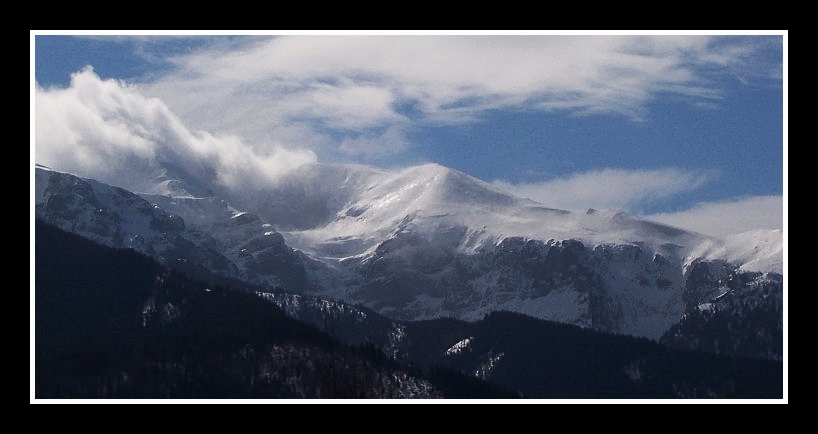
(447, 207)
(429, 189)
(449, 186)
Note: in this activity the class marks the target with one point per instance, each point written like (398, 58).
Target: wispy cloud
(635, 190)
(729, 217)
(629, 190)
(107, 130)
(348, 94)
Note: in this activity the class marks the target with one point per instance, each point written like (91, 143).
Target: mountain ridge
(418, 243)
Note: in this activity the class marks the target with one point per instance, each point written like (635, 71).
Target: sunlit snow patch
(459, 346)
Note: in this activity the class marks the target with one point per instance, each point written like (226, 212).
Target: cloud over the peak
(107, 130)
(361, 94)
(729, 217)
(629, 190)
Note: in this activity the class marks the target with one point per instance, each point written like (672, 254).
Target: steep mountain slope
(431, 200)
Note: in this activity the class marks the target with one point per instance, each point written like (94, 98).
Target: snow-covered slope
(758, 250)
(418, 243)
(431, 200)
(118, 218)
(219, 239)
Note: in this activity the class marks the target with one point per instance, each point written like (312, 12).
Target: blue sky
(689, 129)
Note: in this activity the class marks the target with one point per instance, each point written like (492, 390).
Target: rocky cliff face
(622, 288)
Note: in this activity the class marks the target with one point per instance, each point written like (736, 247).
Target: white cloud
(611, 188)
(325, 91)
(729, 217)
(107, 130)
